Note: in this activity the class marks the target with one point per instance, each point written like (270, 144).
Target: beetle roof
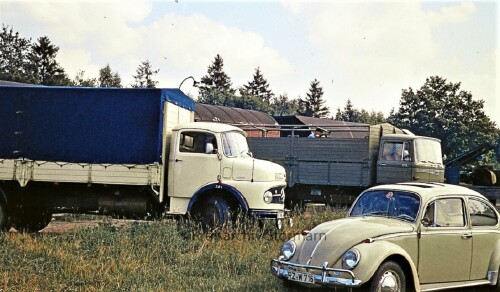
(429, 190)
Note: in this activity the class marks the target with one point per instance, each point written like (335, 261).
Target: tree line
(439, 108)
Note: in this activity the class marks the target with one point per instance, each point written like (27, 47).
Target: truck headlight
(288, 250)
(268, 197)
(350, 259)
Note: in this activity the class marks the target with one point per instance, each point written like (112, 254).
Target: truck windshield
(234, 144)
(393, 204)
(428, 151)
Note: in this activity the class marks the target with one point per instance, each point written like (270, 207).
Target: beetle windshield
(393, 204)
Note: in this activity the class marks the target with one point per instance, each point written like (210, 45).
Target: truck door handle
(404, 165)
(467, 235)
(177, 160)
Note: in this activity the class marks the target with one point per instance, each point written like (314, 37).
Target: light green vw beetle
(411, 236)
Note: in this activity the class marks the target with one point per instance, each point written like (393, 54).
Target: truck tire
(3, 217)
(389, 277)
(32, 221)
(214, 212)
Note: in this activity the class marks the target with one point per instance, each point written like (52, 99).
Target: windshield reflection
(394, 204)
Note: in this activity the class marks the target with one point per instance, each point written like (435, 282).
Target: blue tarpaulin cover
(84, 125)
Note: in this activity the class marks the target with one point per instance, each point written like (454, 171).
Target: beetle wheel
(389, 277)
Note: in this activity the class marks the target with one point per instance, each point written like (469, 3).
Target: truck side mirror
(426, 222)
(209, 148)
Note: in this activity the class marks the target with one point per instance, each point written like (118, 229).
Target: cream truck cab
(212, 172)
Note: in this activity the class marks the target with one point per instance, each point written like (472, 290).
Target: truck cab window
(197, 142)
(428, 151)
(234, 144)
(392, 151)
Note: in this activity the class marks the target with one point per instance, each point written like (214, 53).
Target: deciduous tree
(351, 114)
(14, 56)
(442, 110)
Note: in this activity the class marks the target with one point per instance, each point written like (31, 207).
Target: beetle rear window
(393, 204)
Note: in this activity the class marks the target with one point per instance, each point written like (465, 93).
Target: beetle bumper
(281, 269)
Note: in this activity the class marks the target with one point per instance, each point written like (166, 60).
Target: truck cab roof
(207, 126)
(406, 137)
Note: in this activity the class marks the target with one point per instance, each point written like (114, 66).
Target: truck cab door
(195, 162)
(394, 163)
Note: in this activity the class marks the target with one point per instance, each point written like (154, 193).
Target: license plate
(301, 277)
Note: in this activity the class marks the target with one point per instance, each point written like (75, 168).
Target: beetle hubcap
(389, 282)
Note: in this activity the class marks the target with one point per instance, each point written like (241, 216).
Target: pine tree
(44, 65)
(258, 87)
(313, 104)
(109, 79)
(348, 114)
(216, 87)
(144, 76)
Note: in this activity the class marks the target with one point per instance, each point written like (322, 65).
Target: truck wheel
(213, 212)
(32, 221)
(389, 277)
(3, 217)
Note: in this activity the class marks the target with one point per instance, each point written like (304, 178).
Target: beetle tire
(389, 275)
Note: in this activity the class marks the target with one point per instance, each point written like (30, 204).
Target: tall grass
(164, 255)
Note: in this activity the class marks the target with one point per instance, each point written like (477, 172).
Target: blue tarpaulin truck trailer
(126, 152)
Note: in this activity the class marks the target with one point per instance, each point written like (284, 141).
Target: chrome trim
(493, 277)
(279, 269)
(395, 235)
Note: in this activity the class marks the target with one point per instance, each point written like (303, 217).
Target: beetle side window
(481, 214)
(446, 213)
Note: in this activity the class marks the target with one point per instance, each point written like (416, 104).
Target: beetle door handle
(177, 160)
(467, 235)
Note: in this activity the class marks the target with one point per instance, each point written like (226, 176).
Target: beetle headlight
(268, 197)
(288, 250)
(350, 259)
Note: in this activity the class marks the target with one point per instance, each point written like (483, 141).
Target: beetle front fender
(375, 253)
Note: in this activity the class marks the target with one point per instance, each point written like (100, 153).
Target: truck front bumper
(328, 276)
(278, 215)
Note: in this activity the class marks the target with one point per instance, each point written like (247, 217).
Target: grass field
(163, 255)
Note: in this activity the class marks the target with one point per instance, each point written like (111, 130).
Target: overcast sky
(365, 51)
